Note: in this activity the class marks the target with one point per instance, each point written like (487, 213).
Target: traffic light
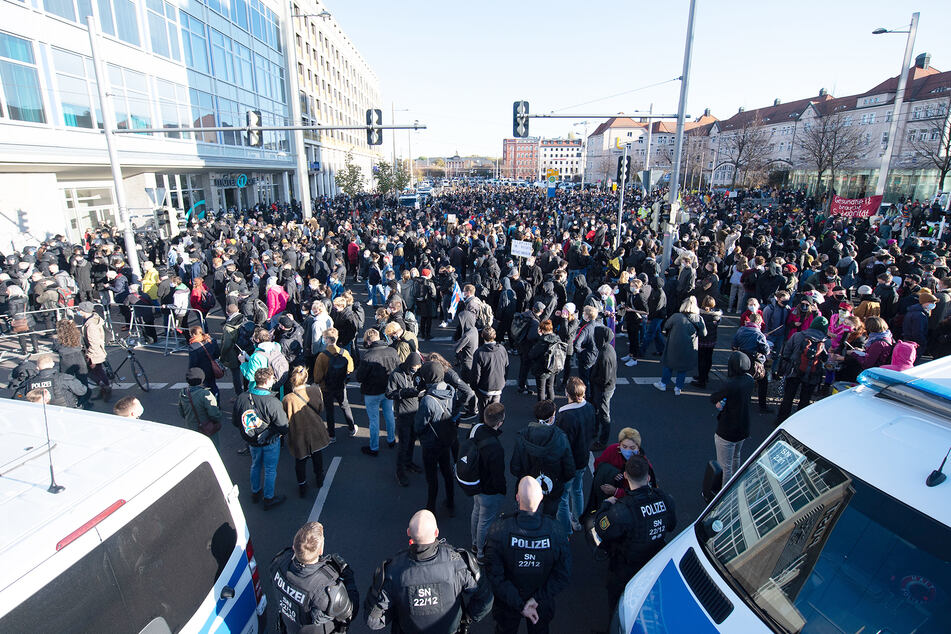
(627, 170)
(255, 138)
(23, 223)
(520, 119)
(374, 133)
(620, 168)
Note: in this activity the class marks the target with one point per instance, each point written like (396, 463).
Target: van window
(814, 549)
(162, 564)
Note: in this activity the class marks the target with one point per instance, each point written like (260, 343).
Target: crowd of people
(819, 299)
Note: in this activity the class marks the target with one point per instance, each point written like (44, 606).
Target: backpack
(467, 467)
(484, 316)
(554, 359)
(520, 325)
(421, 290)
(64, 297)
(411, 324)
(278, 364)
(810, 360)
(445, 428)
(243, 337)
(336, 377)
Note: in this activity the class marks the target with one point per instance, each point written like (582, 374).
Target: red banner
(855, 207)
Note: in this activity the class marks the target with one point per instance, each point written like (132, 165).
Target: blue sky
(458, 66)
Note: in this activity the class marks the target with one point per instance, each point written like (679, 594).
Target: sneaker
(526, 391)
(676, 391)
(631, 363)
(369, 452)
(660, 385)
(255, 497)
(333, 439)
(443, 325)
(699, 384)
(355, 430)
(626, 358)
(277, 500)
(391, 445)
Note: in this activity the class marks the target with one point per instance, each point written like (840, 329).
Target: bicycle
(138, 372)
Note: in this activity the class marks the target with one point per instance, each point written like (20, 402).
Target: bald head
(422, 528)
(529, 494)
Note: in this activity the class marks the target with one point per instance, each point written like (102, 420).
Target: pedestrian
(317, 592)
(487, 503)
(683, 330)
(528, 563)
(733, 418)
(803, 365)
(430, 588)
(228, 355)
(424, 296)
(307, 434)
(373, 373)
(260, 418)
(750, 340)
(489, 367)
(128, 407)
(65, 389)
(609, 469)
(69, 347)
(331, 369)
(266, 354)
(634, 528)
(22, 322)
(586, 351)
(403, 390)
(203, 352)
(437, 432)
(577, 420)
(94, 347)
(197, 405)
(541, 356)
(567, 328)
(706, 344)
(542, 451)
(603, 381)
(525, 333)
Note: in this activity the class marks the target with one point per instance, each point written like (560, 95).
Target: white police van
(146, 535)
(839, 522)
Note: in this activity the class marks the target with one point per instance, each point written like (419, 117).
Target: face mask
(930, 306)
(843, 314)
(627, 453)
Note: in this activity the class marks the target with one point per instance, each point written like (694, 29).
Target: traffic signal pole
(623, 168)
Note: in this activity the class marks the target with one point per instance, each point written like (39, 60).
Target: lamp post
(584, 151)
(899, 97)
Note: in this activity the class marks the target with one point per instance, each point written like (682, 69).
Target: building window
(73, 81)
(917, 112)
(222, 57)
(163, 29)
(884, 138)
(130, 97)
(66, 9)
(22, 98)
(203, 114)
(239, 13)
(173, 108)
(119, 17)
(194, 42)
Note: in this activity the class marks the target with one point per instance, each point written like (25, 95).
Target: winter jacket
(257, 360)
(903, 356)
(915, 325)
(543, 449)
(468, 340)
(583, 344)
(322, 364)
(434, 417)
(268, 408)
(375, 368)
(94, 338)
(751, 340)
(683, 333)
(878, 350)
(491, 459)
(578, 423)
(733, 421)
(204, 402)
(792, 354)
(307, 430)
(604, 370)
(538, 351)
(401, 388)
(229, 333)
(200, 355)
(774, 320)
(489, 366)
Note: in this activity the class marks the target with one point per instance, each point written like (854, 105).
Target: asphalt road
(365, 511)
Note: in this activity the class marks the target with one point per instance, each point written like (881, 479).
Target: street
(365, 512)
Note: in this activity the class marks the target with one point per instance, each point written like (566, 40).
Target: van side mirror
(227, 593)
(712, 480)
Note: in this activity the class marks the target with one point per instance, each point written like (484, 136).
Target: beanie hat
(821, 324)
(865, 289)
(432, 373)
(414, 359)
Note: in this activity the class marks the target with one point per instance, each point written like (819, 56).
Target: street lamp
(584, 151)
(899, 97)
(323, 15)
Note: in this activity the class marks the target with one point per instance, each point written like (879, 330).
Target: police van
(117, 525)
(839, 522)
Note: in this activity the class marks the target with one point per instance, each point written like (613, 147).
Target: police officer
(634, 528)
(528, 562)
(313, 589)
(429, 588)
(64, 389)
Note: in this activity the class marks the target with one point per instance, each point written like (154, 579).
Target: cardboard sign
(522, 248)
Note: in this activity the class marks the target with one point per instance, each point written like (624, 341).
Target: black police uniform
(527, 556)
(633, 530)
(64, 389)
(322, 594)
(428, 589)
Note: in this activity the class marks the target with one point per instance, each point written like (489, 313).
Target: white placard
(522, 248)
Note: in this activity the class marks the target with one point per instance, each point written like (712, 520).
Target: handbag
(216, 368)
(207, 427)
(20, 324)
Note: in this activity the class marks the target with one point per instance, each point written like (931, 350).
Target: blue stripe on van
(244, 608)
(670, 608)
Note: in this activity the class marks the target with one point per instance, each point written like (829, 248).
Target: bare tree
(830, 143)
(933, 142)
(745, 149)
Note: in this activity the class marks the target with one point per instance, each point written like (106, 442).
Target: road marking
(177, 386)
(591, 461)
(122, 386)
(157, 386)
(322, 496)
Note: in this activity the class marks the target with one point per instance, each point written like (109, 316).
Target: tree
(350, 179)
(830, 143)
(745, 149)
(383, 175)
(401, 177)
(933, 143)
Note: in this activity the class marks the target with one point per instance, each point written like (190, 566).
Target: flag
(456, 298)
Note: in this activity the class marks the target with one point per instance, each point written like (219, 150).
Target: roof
(771, 115)
(915, 74)
(616, 122)
(899, 445)
(657, 127)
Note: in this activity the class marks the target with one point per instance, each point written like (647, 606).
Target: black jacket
(268, 408)
(491, 459)
(323, 594)
(604, 370)
(733, 421)
(401, 388)
(489, 366)
(544, 449)
(537, 353)
(578, 423)
(634, 529)
(64, 389)
(468, 340)
(375, 367)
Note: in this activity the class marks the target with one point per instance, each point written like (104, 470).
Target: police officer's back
(528, 562)
(313, 589)
(428, 588)
(64, 389)
(634, 528)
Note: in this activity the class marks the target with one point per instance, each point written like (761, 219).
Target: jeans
(438, 458)
(655, 336)
(267, 457)
(736, 292)
(546, 387)
(572, 500)
(704, 363)
(373, 404)
(407, 439)
(666, 374)
(237, 380)
(485, 510)
(728, 455)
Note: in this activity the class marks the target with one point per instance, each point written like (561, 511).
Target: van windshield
(815, 549)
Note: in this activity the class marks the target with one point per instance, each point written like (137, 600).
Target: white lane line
(122, 386)
(322, 496)
(177, 386)
(157, 386)
(644, 380)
